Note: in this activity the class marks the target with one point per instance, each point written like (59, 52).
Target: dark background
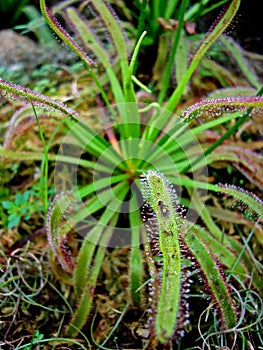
(247, 28)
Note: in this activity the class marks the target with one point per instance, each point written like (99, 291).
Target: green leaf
(166, 290)
(212, 35)
(220, 291)
(91, 41)
(19, 199)
(13, 220)
(136, 262)
(8, 205)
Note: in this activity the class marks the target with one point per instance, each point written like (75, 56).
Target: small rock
(18, 51)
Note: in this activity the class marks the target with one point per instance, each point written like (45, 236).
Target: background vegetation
(60, 290)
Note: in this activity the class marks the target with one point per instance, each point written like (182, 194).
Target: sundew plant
(140, 180)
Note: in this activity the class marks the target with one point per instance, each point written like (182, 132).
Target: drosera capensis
(175, 241)
(113, 159)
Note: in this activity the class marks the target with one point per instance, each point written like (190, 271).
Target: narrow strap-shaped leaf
(161, 197)
(113, 26)
(221, 250)
(61, 32)
(214, 278)
(250, 200)
(39, 100)
(71, 43)
(160, 120)
(88, 284)
(89, 38)
(237, 55)
(94, 144)
(249, 104)
(172, 233)
(212, 35)
(43, 101)
(8, 154)
(214, 108)
(250, 203)
(99, 184)
(170, 63)
(93, 237)
(136, 263)
(181, 58)
(89, 262)
(57, 226)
